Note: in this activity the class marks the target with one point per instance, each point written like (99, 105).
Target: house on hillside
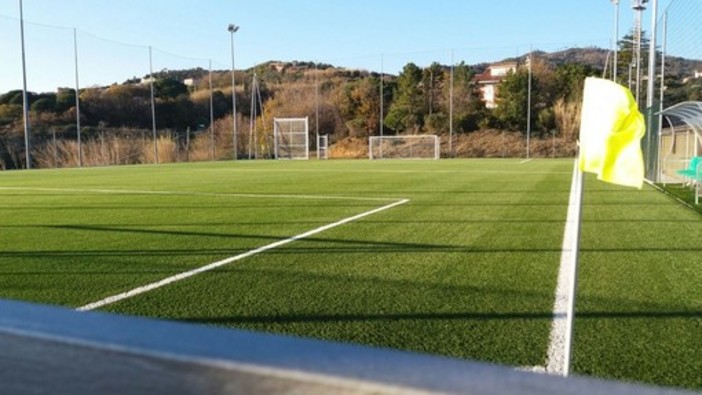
(490, 79)
(696, 74)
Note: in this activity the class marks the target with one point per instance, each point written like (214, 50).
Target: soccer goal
(424, 146)
(291, 138)
(322, 146)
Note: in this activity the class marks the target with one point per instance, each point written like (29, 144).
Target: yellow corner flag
(611, 128)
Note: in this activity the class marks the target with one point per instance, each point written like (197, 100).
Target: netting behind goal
(404, 147)
(291, 138)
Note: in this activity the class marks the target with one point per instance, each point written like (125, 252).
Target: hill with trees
(194, 121)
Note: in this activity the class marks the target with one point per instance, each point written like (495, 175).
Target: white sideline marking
(187, 193)
(556, 347)
(525, 161)
(532, 369)
(212, 266)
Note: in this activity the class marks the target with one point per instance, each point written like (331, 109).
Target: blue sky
(186, 33)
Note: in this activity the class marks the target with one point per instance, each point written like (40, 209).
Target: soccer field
(451, 257)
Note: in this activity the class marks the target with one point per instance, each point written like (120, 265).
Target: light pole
(652, 54)
(382, 96)
(25, 99)
(233, 29)
(75, 55)
(616, 38)
(638, 7)
(528, 136)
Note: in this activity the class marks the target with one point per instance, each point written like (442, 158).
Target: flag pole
(577, 203)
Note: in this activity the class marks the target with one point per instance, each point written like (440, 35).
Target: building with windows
(489, 80)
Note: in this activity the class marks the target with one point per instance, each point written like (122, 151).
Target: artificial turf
(467, 268)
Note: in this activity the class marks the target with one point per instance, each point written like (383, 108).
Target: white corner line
(559, 328)
(525, 161)
(215, 265)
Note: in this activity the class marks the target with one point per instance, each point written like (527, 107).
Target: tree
(626, 59)
(468, 108)
(44, 104)
(12, 97)
(512, 100)
(433, 79)
(65, 99)
(366, 95)
(570, 79)
(168, 88)
(407, 109)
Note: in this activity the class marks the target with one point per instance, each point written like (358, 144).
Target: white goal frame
(291, 138)
(416, 146)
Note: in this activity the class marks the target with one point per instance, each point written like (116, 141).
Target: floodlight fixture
(638, 5)
(233, 28)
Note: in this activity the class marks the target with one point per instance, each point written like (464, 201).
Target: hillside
(343, 103)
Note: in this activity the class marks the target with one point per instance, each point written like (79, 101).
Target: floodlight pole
(652, 55)
(381, 95)
(75, 55)
(664, 43)
(638, 7)
(153, 106)
(233, 29)
(616, 39)
(212, 138)
(528, 137)
(451, 108)
(651, 83)
(25, 98)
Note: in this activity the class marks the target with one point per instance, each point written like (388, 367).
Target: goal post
(291, 138)
(422, 146)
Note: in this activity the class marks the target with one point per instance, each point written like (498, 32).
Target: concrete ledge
(53, 350)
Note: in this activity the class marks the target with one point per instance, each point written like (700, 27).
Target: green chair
(692, 170)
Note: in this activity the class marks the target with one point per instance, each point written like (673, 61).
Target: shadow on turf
(411, 289)
(356, 245)
(474, 316)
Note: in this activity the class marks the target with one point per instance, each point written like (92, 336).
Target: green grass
(685, 193)
(640, 300)
(467, 268)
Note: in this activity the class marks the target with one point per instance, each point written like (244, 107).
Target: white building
(489, 80)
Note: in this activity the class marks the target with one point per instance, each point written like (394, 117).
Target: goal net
(424, 146)
(291, 138)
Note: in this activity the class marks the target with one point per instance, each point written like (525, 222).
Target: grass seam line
(188, 193)
(556, 346)
(215, 265)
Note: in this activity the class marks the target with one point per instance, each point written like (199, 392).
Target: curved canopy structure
(689, 112)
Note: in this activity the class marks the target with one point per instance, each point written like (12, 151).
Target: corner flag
(611, 128)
